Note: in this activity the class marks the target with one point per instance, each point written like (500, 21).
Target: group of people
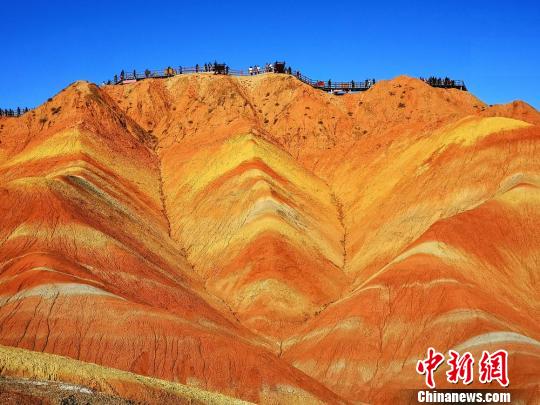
(369, 82)
(254, 70)
(278, 67)
(8, 112)
(216, 68)
(438, 81)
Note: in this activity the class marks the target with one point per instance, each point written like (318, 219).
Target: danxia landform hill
(210, 239)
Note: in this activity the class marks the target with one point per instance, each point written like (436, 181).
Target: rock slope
(261, 239)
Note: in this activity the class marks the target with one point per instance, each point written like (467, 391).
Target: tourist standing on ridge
(250, 70)
(329, 83)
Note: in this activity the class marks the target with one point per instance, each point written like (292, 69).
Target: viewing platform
(329, 86)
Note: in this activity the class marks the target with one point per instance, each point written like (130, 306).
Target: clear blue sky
(493, 45)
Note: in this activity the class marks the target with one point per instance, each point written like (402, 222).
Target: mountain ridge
(256, 236)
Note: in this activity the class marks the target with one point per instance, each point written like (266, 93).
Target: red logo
(491, 367)
(494, 367)
(429, 365)
(461, 368)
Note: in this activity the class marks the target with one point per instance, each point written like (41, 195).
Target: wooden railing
(173, 71)
(330, 86)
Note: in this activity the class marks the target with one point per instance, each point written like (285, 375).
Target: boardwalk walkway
(328, 86)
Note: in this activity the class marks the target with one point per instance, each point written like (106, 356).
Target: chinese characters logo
(491, 367)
